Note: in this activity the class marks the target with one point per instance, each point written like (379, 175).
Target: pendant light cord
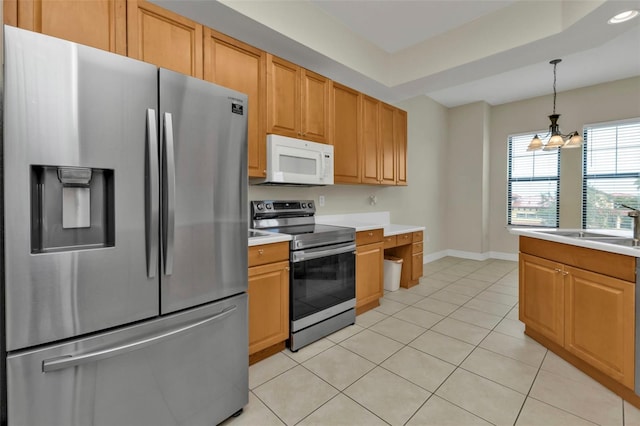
(554, 87)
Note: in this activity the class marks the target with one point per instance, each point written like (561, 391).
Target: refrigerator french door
(124, 210)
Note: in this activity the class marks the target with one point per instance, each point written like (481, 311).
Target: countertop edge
(612, 248)
(268, 239)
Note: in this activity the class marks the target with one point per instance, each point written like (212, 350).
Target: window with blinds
(533, 184)
(611, 170)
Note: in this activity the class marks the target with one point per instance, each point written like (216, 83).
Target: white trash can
(392, 271)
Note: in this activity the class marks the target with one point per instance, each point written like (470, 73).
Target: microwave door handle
(152, 195)
(169, 194)
(322, 166)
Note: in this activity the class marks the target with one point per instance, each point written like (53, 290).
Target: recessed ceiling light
(623, 16)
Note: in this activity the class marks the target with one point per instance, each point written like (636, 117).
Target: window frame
(511, 180)
(594, 177)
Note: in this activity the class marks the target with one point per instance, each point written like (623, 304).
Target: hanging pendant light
(557, 139)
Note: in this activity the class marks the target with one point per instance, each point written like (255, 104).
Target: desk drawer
(405, 239)
(417, 236)
(417, 248)
(268, 253)
(369, 237)
(390, 241)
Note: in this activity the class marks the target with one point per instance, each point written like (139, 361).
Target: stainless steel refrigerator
(125, 252)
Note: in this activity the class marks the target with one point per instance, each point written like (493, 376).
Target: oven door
(323, 283)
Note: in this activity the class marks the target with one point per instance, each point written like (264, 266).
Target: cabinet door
(98, 23)
(345, 134)
(369, 274)
(400, 141)
(370, 139)
(240, 67)
(416, 261)
(268, 305)
(163, 38)
(315, 91)
(542, 296)
(387, 146)
(283, 97)
(599, 323)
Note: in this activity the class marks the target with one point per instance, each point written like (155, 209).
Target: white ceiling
(454, 51)
(394, 25)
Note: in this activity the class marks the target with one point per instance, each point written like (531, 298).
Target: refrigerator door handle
(61, 363)
(153, 193)
(169, 191)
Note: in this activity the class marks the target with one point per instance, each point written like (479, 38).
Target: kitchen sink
(577, 234)
(597, 237)
(620, 241)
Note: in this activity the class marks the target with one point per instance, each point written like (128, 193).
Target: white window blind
(533, 184)
(611, 170)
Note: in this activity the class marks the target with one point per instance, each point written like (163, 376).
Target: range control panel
(276, 209)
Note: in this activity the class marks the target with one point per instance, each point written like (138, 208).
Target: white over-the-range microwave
(297, 162)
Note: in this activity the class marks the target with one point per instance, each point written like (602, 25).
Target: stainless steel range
(322, 277)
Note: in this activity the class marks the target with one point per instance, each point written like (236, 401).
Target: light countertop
(265, 237)
(367, 222)
(552, 235)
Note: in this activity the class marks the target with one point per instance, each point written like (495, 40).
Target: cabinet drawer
(369, 237)
(405, 239)
(417, 236)
(417, 248)
(268, 253)
(389, 242)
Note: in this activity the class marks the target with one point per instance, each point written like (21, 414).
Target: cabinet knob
(370, 234)
(287, 269)
(260, 251)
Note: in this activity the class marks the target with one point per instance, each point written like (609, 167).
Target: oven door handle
(302, 255)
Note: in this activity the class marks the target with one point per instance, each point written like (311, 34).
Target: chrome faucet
(635, 214)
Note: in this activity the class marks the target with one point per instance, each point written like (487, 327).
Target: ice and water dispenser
(72, 208)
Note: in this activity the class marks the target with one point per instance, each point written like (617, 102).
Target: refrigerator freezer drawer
(185, 369)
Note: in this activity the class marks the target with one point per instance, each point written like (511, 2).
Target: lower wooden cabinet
(542, 297)
(599, 322)
(369, 270)
(588, 314)
(268, 298)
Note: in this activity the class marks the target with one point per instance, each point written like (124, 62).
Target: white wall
(467, 178)
(604, 102)
(421, 203)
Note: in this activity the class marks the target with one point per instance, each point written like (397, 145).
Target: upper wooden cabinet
(345, 134)
(400, 140)
(384, 143)
(370, 140)
(99, 23)
(387, 156)
(164, 38)
(238, 66)
(297, 101)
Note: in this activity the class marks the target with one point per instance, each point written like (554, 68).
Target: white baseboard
(431, 257)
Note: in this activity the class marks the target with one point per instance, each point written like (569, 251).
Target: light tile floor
(449, 351)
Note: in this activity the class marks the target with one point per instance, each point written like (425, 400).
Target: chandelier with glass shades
(557, 139)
